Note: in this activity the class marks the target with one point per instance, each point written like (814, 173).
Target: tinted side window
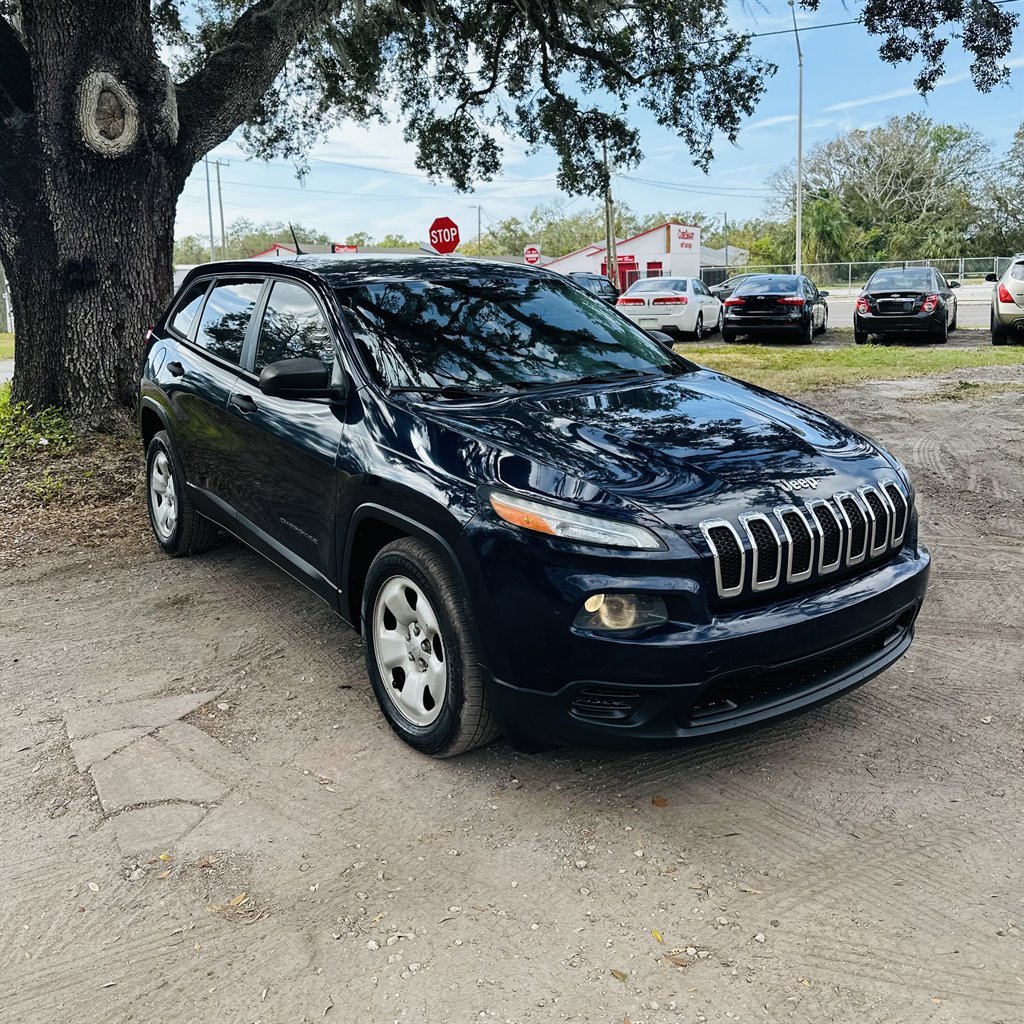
(185, 315)
(1017, 272)
(292, 327)
(226, 318)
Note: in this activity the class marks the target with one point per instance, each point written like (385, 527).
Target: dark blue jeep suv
(543, 522)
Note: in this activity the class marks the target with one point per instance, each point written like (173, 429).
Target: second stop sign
(444, 235)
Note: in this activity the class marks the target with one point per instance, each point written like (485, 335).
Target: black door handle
(175, 369)
(243, 403)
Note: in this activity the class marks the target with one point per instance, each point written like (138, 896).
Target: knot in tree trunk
(108, 115)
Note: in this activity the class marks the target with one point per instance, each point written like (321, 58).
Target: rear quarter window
(1017, 272)
(188, 308)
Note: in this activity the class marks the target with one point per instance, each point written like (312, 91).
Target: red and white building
(668, 250)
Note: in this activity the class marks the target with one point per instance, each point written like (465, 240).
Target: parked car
(596, 283)
(678, 305)
(907, 300)
(725, 288)
(768, 305)
(542, 522)
(1007, 318)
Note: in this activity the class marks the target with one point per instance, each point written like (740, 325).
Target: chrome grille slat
(759, 579)
(796, 542)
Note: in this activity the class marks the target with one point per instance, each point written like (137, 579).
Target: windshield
(768, 285)
(659, 284)
(910, 278)
(480, 334)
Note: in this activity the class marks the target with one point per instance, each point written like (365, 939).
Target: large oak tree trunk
(87, 213)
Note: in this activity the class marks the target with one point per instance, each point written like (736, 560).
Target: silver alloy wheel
(163, 497)
(699, 328)
(410, 652)
(721, 318)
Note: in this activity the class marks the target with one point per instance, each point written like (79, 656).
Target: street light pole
(799, 149)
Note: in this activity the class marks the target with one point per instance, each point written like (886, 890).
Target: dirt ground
(859, 864)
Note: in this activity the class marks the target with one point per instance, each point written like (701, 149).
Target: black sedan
(905, 300)
(776, 304)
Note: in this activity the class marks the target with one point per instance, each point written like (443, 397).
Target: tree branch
(219, 97)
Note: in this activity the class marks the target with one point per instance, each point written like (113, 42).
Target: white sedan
(682, 305)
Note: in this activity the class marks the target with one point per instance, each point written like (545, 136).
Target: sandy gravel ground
(861, 863)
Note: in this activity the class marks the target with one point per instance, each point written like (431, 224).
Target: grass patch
(969, 390)
(793, 370)
(6, 346)
(24, 433)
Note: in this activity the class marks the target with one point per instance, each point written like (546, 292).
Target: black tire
(728, 336)
(824, 324)
(805, 334)
(860, 337)
(465, 720)
(940, 334)
(698, 328)
(1000, 333)
(717, 329)
(192, 532)
(956, 313)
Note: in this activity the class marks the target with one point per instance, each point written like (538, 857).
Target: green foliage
(244, 239)
(24, 432)
(6, 346)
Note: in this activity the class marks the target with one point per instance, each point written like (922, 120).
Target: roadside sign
(339, 247)
(532, 254)
(444, 235)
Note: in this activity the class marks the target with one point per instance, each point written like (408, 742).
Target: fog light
(611, 613)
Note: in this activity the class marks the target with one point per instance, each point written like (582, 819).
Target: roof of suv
(354, 268)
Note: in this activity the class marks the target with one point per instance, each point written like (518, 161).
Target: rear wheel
(860, 337)
(178, 527)
(420, 653)
(728, 336)
(1000, 333)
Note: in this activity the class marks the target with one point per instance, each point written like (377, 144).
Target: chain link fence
(853, 276)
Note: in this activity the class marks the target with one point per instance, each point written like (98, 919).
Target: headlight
(561, 522)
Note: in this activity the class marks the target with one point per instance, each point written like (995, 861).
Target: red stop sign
(444, 235)
(531, 254)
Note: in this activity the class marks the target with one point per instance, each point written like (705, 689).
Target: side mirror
(663, 339)
(991, 277)
(304, 377)
(954, 284)
(823, 294)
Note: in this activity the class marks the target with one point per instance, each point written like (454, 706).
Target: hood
(681, 449)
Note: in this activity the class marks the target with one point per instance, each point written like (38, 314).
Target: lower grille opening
(734, 693)
(605, 702)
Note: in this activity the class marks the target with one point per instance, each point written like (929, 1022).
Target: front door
(286, 497)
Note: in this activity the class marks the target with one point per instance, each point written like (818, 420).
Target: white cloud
(770, 122)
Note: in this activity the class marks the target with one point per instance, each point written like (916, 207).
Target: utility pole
(799, 149)
(220, 202)
(611, 254)
(479, 228)
(726, 232)
(209, 206)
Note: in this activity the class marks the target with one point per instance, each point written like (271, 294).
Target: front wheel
(941, 334)
(179, 528)
(698, 330)
(720, 323)
(956, 312)
(421, 656)
(824, 324)
(805, 333)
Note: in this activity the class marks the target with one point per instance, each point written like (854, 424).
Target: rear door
(286, 493)
(197, 378)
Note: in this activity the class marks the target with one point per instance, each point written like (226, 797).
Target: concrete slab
(151, 831)
(202, 750)
(150, 772)
(90, 749)
(149, 714)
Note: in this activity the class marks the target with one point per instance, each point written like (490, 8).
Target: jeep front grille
(794, 543)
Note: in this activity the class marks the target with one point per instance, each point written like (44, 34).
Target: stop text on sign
(444, 235)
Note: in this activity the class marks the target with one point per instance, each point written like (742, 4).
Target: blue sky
(365, 179)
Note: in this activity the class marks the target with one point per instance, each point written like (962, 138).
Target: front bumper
(695, 679)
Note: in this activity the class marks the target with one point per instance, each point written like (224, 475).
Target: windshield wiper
(610, 378)
(453, 391)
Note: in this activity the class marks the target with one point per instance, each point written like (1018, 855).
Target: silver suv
(1008, 304)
